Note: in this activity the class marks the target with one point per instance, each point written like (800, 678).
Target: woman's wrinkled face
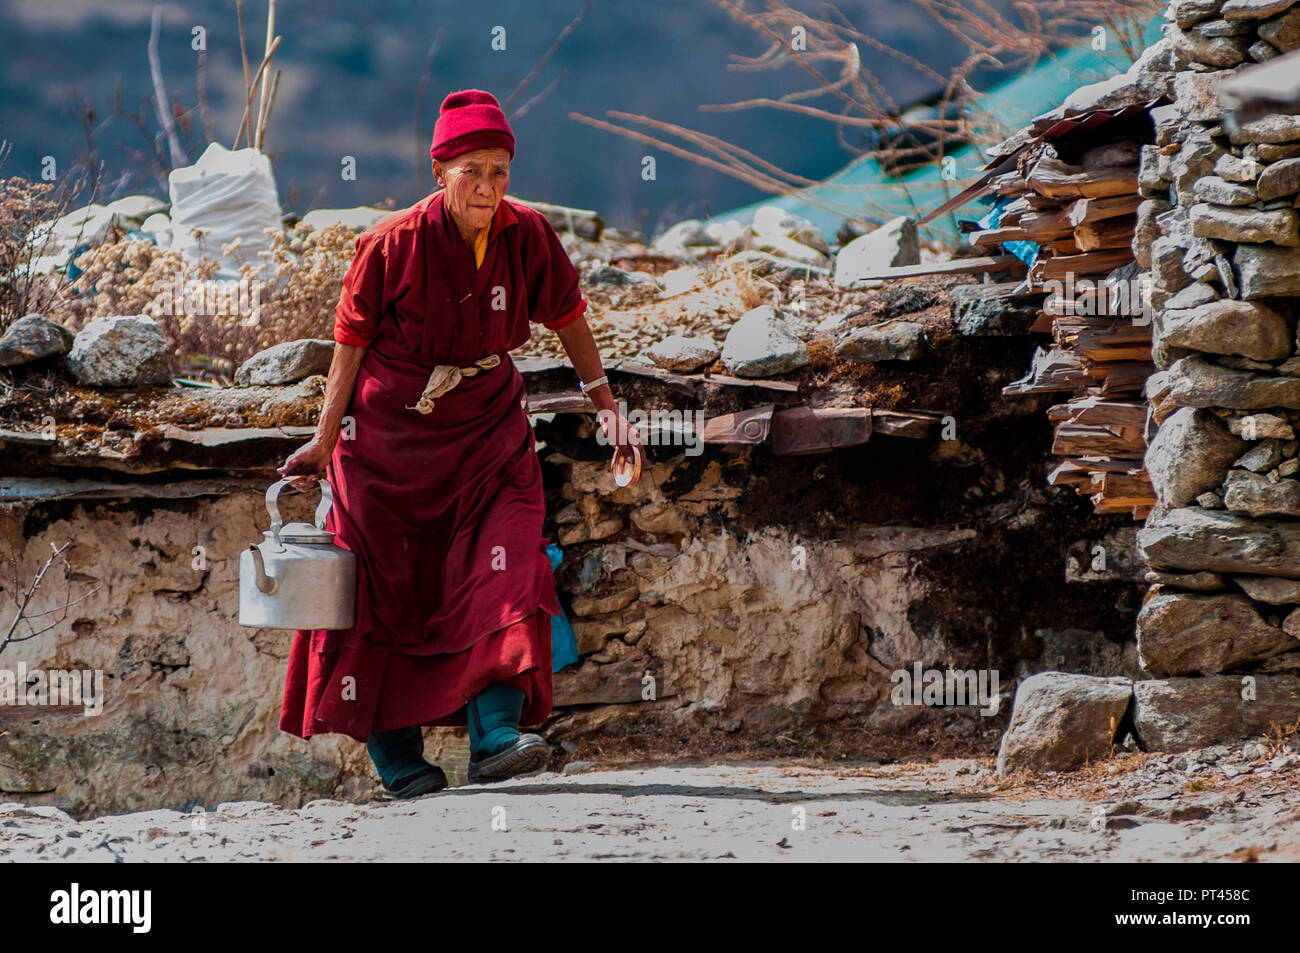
(475, 183)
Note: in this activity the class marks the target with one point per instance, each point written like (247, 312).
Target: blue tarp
(564, 647)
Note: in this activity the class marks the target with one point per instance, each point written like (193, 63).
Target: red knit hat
(470, 119)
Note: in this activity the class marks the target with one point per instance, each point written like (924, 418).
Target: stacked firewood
(1081, 217)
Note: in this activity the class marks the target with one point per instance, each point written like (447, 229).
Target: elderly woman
(437, 485)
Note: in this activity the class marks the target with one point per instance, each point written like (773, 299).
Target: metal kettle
(297, 577)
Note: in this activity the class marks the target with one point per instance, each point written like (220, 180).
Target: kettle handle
(273, 510)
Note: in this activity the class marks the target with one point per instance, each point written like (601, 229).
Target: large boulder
(890, 245)
(1229, 327)
(761, 343)
(1184, 633)
(1177, 714)
(120, 351)
(1189, 455)
(1194, 538)
(1196, 381)
(286, 363)
(33, 338)
(1059, 721)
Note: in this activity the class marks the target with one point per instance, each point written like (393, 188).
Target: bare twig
(272, 41)
(505, 107)
(248, 107)
(160, 93)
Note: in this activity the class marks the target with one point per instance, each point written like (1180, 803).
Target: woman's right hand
(307, 462)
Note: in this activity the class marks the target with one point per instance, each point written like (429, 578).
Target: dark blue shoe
(529, 753)
(425, 782)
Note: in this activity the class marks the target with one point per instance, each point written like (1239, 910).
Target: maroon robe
(444, 511)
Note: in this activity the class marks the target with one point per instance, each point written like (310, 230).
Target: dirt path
(950, 810)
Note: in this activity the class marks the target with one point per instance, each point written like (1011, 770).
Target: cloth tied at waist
(447, 376)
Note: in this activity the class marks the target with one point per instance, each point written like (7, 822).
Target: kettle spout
(264, 582)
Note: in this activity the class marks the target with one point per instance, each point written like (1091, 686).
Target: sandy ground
(1147, 810)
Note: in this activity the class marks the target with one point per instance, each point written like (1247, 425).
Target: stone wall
(1218, 231)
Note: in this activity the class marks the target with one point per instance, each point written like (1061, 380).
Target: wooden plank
(803, 430)
(1058, 180)
(1098, 209)
(223, 436)
(1108, 233)
(957, 266)
(1087, 264)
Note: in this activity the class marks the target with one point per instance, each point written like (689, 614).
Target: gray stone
(891, 245)
(33, 338)
(761, 343)
(1219, 191)
(1275, 151)
(1179, 714)
(1261, 426)
(1194, 295)
(684, 354)
(1236, 169)
(608, 275)
(120, 351)
(1189, 455)
(1222, 28)
(1183, 633)
(1167, 265)
(1274, 128)
(1270, 589)
(1197, 95)
(1187, 12)
(1254, 9)
(1255, 495)
(1265, 271)
(1059, 721)
(1283, 33)
(1279, 179)
(1229, 327)
(286, 363)
(1265, 455)
(1147, 229)
(1198, 382)
(1218, 51)
(1281, 226)
(1193, 538)
(1261, 51)
(888, 341)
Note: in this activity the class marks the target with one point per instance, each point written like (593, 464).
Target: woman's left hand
(628, 452)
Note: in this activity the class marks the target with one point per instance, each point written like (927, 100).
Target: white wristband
(589, 385)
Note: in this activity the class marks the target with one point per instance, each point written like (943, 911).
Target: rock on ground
(761, 343)
(120, 351)
(33, 338)
(286, 363)
(1059, 721)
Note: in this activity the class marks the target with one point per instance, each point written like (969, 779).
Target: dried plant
(27, 210)
(137, 277)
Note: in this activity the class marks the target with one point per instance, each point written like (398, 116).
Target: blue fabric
(1025, 251)
(564, 647)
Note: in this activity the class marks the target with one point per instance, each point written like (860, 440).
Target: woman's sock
(397, 753)
(493, 716)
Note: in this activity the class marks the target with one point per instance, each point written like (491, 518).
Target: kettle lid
(301, 533)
